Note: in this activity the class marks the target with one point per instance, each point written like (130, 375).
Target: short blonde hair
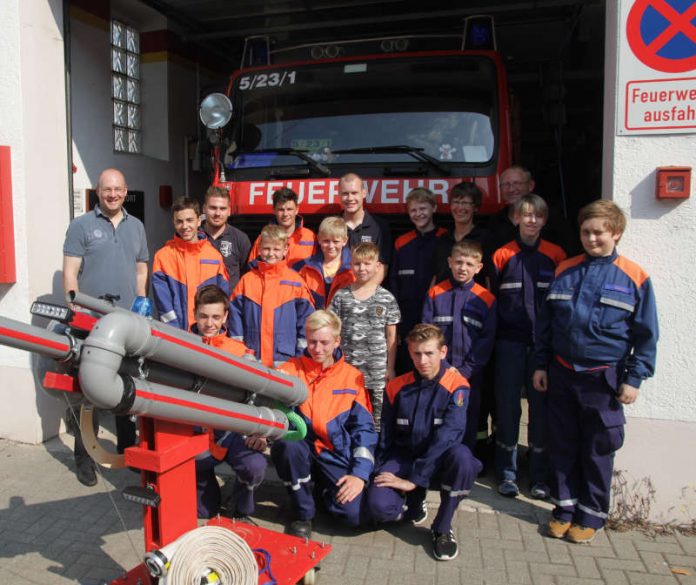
(467, 248)
(421, 195)
(334, 227)
(425, 332)
(274, 233)
(365, 251)
(323, 318)
(610, 212)
(532, 201)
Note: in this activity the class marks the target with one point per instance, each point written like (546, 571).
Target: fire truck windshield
(442, 105)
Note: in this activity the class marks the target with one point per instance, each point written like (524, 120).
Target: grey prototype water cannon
(132, 365)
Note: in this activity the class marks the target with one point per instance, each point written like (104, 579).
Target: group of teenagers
(396, 346)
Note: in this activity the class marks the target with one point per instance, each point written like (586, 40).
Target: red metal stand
(166, 455)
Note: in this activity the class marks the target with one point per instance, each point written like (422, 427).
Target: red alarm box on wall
(673, 183)
(8, 272)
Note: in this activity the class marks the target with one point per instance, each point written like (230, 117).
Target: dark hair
(283, 196)
(467, 189)
(210, 294)
(186, 203)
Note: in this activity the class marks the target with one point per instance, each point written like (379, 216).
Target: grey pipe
(162, 402)
(93, 304)
(125, 333)
(36, 339)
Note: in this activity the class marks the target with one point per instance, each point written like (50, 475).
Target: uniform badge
(225, 248)
(379, 311)
(365, 238)
(459, 398)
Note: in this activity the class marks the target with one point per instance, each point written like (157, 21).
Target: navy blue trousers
(454, 476)
(586, 427)
(298, 467)
(248, 465)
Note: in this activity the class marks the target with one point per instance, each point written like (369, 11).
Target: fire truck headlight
(215, 111)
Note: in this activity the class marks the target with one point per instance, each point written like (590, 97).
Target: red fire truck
(394, 111)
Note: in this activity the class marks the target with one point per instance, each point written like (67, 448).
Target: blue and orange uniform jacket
(179, 269)
(235, 348)
(301, 244)
(411, 272)
(600, 311)
(421, 419)
(340, 429)
(466, 314)
(322, 290)
(268, 310)
(522, 275)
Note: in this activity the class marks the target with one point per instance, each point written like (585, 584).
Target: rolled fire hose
(209, 554)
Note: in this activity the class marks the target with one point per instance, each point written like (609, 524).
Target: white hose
(210, 554)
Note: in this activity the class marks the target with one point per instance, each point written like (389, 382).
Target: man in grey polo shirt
(105, 253)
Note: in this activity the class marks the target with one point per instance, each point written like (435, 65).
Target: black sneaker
(418, 515)
(444, 545)
(301, 529)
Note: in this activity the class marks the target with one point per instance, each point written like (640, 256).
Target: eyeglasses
(116, 190)
(514, 184)
(462, 203)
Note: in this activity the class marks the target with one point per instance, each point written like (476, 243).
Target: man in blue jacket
(423, 423)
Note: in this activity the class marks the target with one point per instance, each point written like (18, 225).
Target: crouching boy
(423, 423)
(338, 451)
(242, 454)
(596, 341)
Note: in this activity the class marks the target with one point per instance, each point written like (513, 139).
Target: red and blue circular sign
(662, 34)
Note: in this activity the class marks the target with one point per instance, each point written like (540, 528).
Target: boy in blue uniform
(596, 342)
(523, 270)
(413, 266)
(466, 313)
(420, 444)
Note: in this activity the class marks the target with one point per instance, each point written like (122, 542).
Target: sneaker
(301, 529)
(444, 545)
(581, 534)
(557, 528)
(508, 488)
(418, 515)
(540, 491)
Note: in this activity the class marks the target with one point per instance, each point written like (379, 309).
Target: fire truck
(401, 112)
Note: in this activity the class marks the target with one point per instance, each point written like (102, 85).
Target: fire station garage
(596, 98)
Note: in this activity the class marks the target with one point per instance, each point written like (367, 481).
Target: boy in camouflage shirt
(369, 314)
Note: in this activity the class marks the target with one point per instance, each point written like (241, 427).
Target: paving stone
(645, 579)
(655, 563)
(586, 567)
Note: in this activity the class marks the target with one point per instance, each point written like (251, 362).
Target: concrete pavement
(55, 531)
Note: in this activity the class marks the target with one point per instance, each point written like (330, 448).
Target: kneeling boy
(423, 422)
(339, 447)
(596, 341)
(242, 454)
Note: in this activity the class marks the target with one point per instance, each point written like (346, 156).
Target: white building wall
(33, 124)
(662, 239)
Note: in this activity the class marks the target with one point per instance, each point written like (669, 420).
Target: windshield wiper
(417, 153)
(301, 154)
